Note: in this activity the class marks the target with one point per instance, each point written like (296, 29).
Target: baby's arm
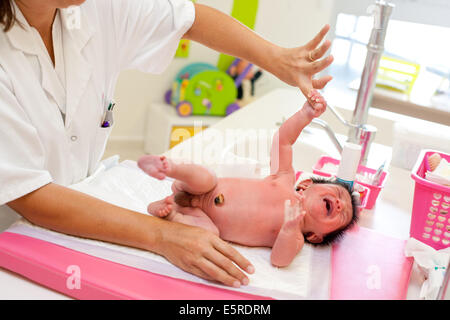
(285, 137)
(290, 239)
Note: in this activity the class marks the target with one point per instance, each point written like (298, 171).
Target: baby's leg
(162, 207)
(166, 208)
(193, 217)
(191, 178)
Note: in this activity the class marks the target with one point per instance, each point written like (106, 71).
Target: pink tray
(47, 264)
(368, 265)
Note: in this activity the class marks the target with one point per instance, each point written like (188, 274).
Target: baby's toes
(158, 174)
(165, 165)
(164, 211)
(169, 199)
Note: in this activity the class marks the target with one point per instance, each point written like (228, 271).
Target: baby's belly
(251, 213)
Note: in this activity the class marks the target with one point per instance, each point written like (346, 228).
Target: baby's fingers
(297, 211)
(319, 108)
(318, 102)
(301, 218)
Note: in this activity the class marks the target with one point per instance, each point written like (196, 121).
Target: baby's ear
(305, 184)
(314, 238)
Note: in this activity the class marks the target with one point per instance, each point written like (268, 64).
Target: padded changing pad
(369, 265)
(126, 186)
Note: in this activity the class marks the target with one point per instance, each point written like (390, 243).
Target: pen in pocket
(108, 120)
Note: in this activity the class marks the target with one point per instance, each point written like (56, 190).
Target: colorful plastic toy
(202, 89)
(242, 71)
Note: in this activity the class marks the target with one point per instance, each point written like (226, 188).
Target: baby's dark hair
(337, 235)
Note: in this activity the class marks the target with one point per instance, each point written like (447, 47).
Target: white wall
(287, 23)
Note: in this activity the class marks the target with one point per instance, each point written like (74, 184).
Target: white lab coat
(36, 145)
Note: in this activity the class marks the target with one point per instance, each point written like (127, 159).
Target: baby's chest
(263, 203)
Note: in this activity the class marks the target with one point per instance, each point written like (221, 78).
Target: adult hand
(297, 66)
(203, 254)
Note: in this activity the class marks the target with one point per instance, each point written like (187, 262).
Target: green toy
(202, 89)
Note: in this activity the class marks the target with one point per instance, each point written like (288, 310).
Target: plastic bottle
(348, 167)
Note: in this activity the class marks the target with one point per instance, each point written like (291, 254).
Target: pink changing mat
(367, 265)
(50, 265)
(364, 265)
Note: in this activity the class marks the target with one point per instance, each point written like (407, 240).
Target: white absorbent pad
(125, 185)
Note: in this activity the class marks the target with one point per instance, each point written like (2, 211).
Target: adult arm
(223, 33)
(192, 249)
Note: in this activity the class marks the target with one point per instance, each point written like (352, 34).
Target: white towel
(127, 186)
(441, 174)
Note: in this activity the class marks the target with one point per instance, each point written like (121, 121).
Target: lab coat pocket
(101, 139)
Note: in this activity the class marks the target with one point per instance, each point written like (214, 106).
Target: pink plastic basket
(430, 220)
(374, 190)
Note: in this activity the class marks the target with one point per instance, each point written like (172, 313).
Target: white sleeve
(146, 33)
(22, 157)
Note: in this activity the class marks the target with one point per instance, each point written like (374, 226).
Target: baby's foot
(161, 208)
(156, 166)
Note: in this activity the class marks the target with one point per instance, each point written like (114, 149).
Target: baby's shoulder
(280, 182)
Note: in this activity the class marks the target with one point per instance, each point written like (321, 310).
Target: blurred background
(412, 83)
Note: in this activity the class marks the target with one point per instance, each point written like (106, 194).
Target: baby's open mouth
(328, 206)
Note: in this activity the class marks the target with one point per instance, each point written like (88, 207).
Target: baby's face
(328, 208)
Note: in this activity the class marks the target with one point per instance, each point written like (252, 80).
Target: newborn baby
(270, 212)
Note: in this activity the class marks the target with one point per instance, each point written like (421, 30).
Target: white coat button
(73, 138)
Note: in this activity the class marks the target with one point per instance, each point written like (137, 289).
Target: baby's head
(331, 209)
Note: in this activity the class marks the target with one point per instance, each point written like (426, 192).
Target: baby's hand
(318, 106)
